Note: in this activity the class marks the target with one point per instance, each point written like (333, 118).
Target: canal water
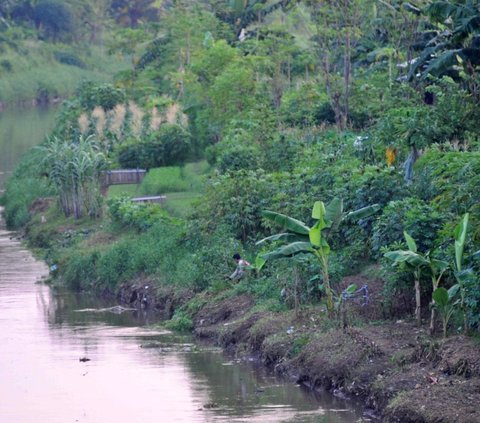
(64, 360)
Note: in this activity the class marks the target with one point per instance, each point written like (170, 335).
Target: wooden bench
(154, 199)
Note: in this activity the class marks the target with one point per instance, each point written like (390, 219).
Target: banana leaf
(363, 212)
(259, 262)
(334, 213)
(408, 257)
(287, 222)
(318, 211)
(439, 265)
(284, 236)
(440, 296)
(441, 64)
(289, 250)
(460, 235)
(315, 234)
(412, 245)
(317, 239)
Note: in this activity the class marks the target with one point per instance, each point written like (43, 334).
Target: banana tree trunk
(326, 284)
(432, 319)
(418, 305)
(297, 278)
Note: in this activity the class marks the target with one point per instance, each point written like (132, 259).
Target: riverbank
(400, 372)
(61, 344)
(397, 369)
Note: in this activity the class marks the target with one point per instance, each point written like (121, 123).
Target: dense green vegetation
(290, 102)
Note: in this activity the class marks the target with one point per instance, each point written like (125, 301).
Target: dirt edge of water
(399, 371)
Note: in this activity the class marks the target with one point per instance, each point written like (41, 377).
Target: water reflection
(169, 379)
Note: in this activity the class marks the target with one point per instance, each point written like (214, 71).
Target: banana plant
(313, 240)
(413, 262)
(462, 275)
(444, 302)
(437, 269)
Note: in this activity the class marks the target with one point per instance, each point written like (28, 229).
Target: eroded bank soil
(401, 373)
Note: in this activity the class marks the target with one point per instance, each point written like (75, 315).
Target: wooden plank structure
(160, 199)
(123, 176)
(120, 177)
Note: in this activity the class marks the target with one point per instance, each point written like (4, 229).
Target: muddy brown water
(134, 373)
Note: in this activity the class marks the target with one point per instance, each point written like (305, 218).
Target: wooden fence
(128, 176)
(120, 177)
(123, 176)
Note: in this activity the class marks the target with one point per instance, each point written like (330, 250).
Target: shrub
(210, 257)
(139, 216)
(115, 265)
(105, 95)
(6, 65)
(180, 322)
(306, 106)
(130, 155)
(21, 189)
(415, 216)
(281, 153)
(168, 146)
(237, 158)
(55, 17)
(236, 200)
(450, 180)
(176, 144)
(69, 59)
(374, 185)
(81, 271)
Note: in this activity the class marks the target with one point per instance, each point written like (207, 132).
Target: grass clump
(22, 189)
(164, 179)
(180, 322)
(170, 179)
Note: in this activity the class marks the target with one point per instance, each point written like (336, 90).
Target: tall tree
(53, 18)
(132, 12)
(338, 28)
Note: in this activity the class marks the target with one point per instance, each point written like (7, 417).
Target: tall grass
(164, 179)
(25, 186)
(156, 253)
(74, 169)
(179, 204)
(174, 179)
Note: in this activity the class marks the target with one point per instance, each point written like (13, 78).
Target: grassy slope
(32, 68)
(181, 186)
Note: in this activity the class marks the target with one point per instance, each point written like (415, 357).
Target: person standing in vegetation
(240, 270)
